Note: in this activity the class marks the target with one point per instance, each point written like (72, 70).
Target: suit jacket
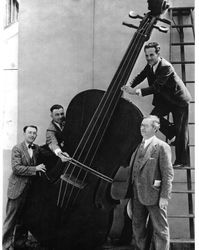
(54, 137)
(165, 84)
(156, 165)
(23, 168)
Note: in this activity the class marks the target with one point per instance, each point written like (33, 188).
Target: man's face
(58, 115)
(30, 135)
(147, 129)
(151, 56)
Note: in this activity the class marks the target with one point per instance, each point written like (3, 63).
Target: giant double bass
(74, 210)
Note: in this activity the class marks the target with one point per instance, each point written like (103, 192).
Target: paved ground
(37, 247)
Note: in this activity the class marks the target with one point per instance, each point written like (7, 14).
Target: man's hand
(41, 168)
(64, 156)
(131, 91)
(163, 203)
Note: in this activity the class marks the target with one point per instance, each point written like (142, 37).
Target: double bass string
(101, 111)
(121, 69)
(90, 147)
(117, 87)
(108, 122)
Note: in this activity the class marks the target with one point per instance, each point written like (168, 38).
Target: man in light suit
(149, 186)
(25, 165)
(170, 95)
(54, 137)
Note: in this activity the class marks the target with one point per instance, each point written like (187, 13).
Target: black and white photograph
(98, 125)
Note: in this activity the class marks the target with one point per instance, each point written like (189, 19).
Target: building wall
(66, 47)
(9, 100)
(69, 46)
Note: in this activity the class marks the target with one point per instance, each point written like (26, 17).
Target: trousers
(140, 212)
(13, 216)
(180, 130)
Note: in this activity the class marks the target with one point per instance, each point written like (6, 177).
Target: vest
(137, 162)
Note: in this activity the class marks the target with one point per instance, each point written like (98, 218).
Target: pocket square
(157, 183)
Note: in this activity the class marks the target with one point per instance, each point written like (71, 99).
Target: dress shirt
(58, 125)
(147, 141)
(58, 150)
(30, 150)
(154, 67)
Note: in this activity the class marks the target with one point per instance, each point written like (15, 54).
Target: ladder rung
(189, 81)
(179, 11)
(191, 123)
(178, 241)
(192, 101)
(187, 13)
(181, 8)
(185, 43)
(183, 182)
(182, 26)
(183, 191)
(184, 168)
(182, 216)
(183, 62)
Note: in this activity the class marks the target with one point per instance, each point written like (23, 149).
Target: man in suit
(25, 165)
(170, 95)
(150, 184)
(54, 137)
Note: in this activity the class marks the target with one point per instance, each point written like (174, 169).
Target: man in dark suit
(25, 165)
(170, 95)
(150, 175)
(54, 137)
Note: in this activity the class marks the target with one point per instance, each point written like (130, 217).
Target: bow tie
(31, 146)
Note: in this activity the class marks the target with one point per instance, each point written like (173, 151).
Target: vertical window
(11, 12)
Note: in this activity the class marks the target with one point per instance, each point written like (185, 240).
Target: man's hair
(155, 121)
(56, 106)
(154, 45)
(29, 126)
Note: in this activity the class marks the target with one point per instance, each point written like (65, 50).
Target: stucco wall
(69, 46)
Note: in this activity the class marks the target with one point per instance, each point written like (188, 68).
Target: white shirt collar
(27, 144)
(30, 151)
(156, 65)
(148, 141)
(58, 125)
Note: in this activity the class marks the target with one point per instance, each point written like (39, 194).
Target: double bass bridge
(73, 181)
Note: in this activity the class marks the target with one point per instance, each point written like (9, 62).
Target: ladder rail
(179, 26)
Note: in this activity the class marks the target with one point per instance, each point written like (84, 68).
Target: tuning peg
(130, 25)
(134, 15)
(165, 5)
(161, 28)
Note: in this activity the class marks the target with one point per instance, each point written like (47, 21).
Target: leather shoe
(20, 244)
(9, 248)
(178, 165)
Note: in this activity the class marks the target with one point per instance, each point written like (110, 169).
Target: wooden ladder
(182, 41)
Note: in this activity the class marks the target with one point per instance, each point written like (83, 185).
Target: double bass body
(85, 224)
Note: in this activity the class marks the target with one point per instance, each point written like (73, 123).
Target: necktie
(62, 126)
(151, 70)
(142, 146)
